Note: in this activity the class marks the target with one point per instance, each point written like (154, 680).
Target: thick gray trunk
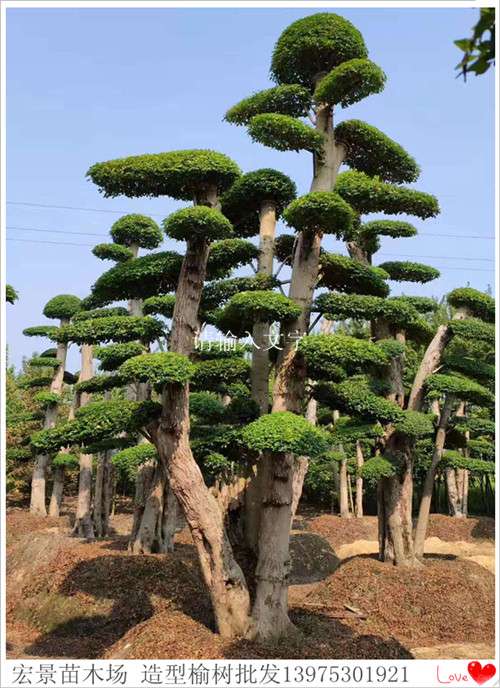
(57, 492)
(270, 610)
(259, 375)
(143, 481)
(102, 494)
(148, 538)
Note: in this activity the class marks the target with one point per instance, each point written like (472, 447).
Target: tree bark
(359, 480)
(289, 385)
(148, 538)
(57, 492)
(453, 496)
(425, 502)
(171, 517)
(83, 526)
(270, 611)
(143, 483)
(222, 574)
(395, 499)
(343, 496)
(102, 494)
(37, 502)
(259, 375)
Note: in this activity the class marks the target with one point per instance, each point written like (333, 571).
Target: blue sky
(85, 85)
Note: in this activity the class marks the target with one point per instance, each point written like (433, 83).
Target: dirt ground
(68, 598)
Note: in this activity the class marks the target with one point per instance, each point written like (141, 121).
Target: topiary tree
(325, 54)
(254, 203)
(62, 308)
(201, 175)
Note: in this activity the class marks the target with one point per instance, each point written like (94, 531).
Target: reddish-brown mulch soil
(443, 601)
(68, 598)
(464, 529)
(340, 531)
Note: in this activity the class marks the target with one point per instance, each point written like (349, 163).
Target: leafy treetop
(136, 229)
(313, 46)
(62, 307)
(181, 174)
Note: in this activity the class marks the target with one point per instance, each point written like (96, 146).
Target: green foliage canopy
(373, 152)
(285, 433)
(285, 133)
(320, 211)
(371, 195)
(313, 46)
(350, 82)
(197, 223)
(289, 99)
(181, 174)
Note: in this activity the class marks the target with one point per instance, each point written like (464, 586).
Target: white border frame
(225, 4)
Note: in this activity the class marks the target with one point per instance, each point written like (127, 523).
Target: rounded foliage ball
(248, 307)
(479, 304)
(136, 229)
(350, 82)
(252, 190)
(320, 211)
(314, 45)
(159, 368)
(285, 433)
(199, 223)
(62, 307)
(115, 252)
(406, 271)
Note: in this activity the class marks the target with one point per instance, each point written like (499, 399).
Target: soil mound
(444, 601)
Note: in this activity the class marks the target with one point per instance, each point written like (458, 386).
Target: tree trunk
(259, 375)
(289, 385)
(428, 365)
(222, 574)
(57, 492)
(349, 492)
(453, 496)
(359, 480)
(37, 502)
(300, 466)
(102, 494)
(465, 494)
(148, 538)
(343, 496)
(270, 611)
(143, 482)
(425, 502)
(395, 523)
(170, 521)
(83, 526)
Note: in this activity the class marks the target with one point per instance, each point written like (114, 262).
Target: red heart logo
(481, 674)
